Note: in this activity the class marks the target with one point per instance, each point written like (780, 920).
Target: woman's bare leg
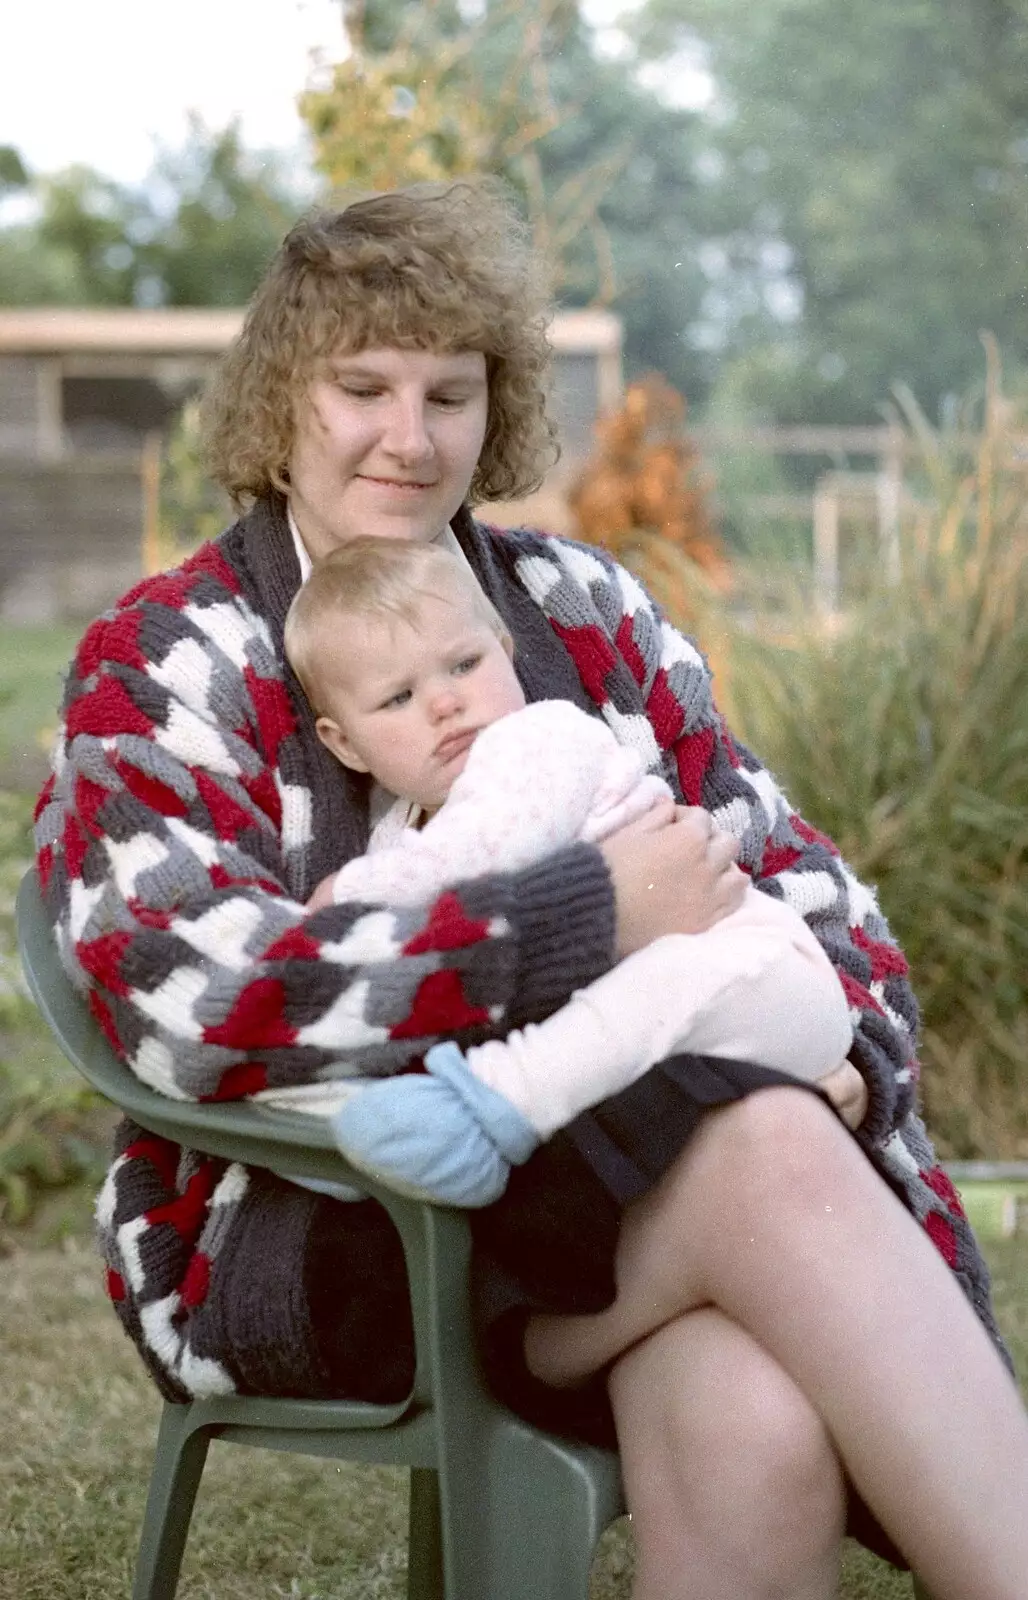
(735, 1489)
(773, 1215)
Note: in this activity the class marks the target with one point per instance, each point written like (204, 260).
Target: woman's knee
(740, 1451)
(776, 1145)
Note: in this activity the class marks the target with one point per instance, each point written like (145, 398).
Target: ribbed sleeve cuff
(565, 921)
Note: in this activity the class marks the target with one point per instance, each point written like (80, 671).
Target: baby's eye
(400, 698)
(466, 664)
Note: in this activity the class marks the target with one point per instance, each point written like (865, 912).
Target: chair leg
(524, 1524)
(425, 1538)
(178, 1466)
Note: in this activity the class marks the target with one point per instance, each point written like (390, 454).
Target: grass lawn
(32, 662)
(79, 1417)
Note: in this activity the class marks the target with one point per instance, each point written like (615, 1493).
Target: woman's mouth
(398, 485)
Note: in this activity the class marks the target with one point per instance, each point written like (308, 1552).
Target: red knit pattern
(102, 1015)
(256, 1021)
(693, 757)
(246, 1077)
(448, 928)
(857, 995)
(226, 814)
(941, 1233)
(440, 1006)
(196, 1280)
(625, 641)
(157, 796)
(812, 835)
(886, 960)
(942, 1184)
(108, 711)
(778, 858)
(664, 712)
(594, 658)
(296, 945)
(186, 1213)
(101, 958)
(162, 1156)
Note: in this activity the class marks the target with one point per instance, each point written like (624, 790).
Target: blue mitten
(440, 1135)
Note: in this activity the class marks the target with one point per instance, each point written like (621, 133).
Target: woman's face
(386, 445)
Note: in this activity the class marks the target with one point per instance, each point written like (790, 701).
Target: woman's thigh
(754, 1167)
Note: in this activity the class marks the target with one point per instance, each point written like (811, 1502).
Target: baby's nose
(445, 701)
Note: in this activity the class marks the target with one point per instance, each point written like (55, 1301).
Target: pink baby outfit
(536, 781)
(755, 987)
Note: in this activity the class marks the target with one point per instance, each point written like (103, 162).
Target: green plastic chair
(498, 1510)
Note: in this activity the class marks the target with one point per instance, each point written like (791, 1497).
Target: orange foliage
(645, 479)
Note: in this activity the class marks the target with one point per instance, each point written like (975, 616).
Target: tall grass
(900, 727)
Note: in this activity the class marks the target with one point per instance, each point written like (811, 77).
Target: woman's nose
(407, 437)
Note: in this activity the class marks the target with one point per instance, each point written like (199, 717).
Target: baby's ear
(334, 739)
(508, 644)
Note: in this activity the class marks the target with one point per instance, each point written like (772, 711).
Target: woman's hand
(847, 1091)
(673, 871)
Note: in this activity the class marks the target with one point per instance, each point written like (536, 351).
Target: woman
(736, 1290)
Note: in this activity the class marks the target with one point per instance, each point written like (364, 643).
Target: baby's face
(407, 700)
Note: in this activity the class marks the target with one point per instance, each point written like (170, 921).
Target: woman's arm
(163, 839)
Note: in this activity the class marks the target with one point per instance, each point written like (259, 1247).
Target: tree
(872, 176)
(12, 170)
(604, 168)
(230, 208)
(199, 231)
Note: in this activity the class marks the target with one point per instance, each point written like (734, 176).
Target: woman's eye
(355, 392)
(449, 402)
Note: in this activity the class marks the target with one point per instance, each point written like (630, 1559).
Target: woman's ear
(334, 739)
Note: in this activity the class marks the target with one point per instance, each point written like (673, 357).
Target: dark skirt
(548, 1245)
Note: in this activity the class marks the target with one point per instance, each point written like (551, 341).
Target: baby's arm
(754, 987)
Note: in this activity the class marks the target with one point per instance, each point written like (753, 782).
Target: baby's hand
(322, 895)
(847, 1091)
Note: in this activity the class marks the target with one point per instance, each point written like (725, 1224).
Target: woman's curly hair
(430, 267)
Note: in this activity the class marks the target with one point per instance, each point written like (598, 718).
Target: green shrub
(901, 728)
(54, 1131)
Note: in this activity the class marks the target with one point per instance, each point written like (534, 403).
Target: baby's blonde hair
(369, 577)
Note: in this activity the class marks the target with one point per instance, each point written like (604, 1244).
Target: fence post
(826, 544)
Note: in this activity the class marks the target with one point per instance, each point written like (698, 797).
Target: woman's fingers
(846, 1089)
(679, 879)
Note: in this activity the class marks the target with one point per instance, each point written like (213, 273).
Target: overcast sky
(99, 81)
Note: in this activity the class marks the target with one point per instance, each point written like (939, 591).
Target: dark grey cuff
(564, 924)
(873, 1061)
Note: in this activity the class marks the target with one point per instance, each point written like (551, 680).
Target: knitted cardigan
(191, 811)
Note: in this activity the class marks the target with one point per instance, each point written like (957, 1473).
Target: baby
(410, 672)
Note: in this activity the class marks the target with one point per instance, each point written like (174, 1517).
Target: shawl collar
(545, 669)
